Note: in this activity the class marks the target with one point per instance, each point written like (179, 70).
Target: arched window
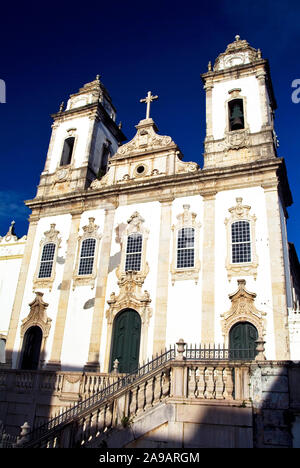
(106, 153)
(46, 263)
(67, 152)
(185, 248)
(31, 348)
(236, 114)
(240, 242)
(87, 254)
(134, 252)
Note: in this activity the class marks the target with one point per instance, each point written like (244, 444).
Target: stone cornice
(97, 110)
(202, 182)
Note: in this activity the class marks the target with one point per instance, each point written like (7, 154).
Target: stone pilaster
(261, 79)
(54, 362)
(208, 270)
(15, 316)
(280, 313)
(99, 306)
(161, 306)
(209, 117)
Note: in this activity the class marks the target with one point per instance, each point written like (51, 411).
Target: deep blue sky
(49, 50)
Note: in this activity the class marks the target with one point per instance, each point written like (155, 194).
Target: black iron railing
(218, 353)
(102, 395)
(196, 352)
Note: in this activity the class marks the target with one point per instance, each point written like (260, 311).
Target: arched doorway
(242, 338)
(125, 344)
(31, 348)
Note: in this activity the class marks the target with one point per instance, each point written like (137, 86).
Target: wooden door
(242, 338)
(126, 341)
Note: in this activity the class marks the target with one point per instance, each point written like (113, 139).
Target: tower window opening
(236, 114)
(67, 151)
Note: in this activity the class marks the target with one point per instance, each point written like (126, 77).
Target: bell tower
(240, 107)
(84, 136)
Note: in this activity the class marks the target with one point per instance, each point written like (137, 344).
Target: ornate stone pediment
(148, 155)
(146, 139)
(242, 310)
(130, 296)
(37, 316)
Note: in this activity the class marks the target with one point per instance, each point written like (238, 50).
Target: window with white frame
(185, 253)
(87, 254)
(241, 242)
(134, 252)
(241, 256)
(46, 262)
(185, 248)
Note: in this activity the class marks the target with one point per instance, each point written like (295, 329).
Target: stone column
(99, 306)
(161, 305)
(280, 313)
(208, 270)
(54, 362)
(16, 310)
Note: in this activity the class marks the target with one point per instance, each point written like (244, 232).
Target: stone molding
(187, 219)
(130, 296)
(51, 236)
(242, 310)
(135, 224)
(240, 212)
(37, 317)
(90, 231)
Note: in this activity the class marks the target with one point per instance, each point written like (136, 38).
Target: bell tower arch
(240, 107)
(84, 136)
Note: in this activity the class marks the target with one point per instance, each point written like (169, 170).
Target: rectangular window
(87, 257)
(134, 252)
(241, 242)
(185, 248)
(47, 261)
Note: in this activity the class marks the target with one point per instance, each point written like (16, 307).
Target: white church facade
(130, 248)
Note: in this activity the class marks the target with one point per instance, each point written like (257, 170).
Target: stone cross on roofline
(148, 100)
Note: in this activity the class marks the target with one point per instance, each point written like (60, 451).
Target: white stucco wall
(10, 263)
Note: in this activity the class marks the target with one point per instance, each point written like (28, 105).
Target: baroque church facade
(130, 248)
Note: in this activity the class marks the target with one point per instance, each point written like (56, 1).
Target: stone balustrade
(177, 381)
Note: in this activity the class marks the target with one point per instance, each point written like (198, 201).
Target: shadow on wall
(268, 417)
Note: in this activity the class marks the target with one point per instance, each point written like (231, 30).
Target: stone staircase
(176, 390)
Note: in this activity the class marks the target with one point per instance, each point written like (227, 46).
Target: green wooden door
(126, 340)
(242, 337)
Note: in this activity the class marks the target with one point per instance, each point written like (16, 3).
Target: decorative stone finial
(61, 107)
(180, 349)
(116, 366)
(237, 37)
(97, 77)
(260, 348)
(209, 66)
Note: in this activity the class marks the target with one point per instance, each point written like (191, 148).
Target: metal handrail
(191, 353)
(102, 395)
